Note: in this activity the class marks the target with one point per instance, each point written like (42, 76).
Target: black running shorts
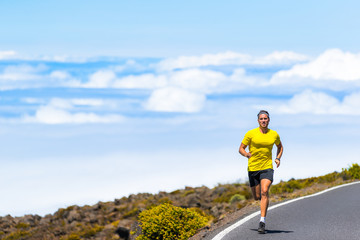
(256, 176)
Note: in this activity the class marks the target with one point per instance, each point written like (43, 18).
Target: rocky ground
(117, 219)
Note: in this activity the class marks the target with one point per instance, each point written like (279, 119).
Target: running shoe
(261, 228)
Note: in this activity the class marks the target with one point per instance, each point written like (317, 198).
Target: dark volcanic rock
(123, 233)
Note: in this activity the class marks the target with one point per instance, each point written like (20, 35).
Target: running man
(260, 167)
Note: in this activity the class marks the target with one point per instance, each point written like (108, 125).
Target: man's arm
(279, 153)
(243, 152)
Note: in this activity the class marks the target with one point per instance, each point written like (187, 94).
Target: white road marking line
(221, 234)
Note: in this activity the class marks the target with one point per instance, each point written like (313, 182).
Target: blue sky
(163, 28)
(104, 99)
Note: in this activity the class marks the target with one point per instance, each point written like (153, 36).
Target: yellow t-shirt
(260, 146)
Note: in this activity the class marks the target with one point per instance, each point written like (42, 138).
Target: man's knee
(265, 193)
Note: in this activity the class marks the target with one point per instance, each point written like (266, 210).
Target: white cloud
(7, 55)
(22, 76)
(88, 102)
(209, 81)
(131, 66)
(144, 81)
(195, 79)
(47, 58)
(108, 79)
(281, 58)
(229, 58)
(71, 103)
(240, 80)
(60, 79)
(320, 103)
(171, 99)
(333, 64)
(309, 102)
(350, 105)
(21, 72)
(59, 58)
(101, 79)
(61, 111)
(185, 90)
(60, 75)
(25, 76)
(179, 90)
(53, 115)
(32, 100)
(204, 60)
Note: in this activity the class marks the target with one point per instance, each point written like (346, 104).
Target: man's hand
(277, 161)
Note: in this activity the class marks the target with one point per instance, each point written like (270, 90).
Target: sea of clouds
(324, 84)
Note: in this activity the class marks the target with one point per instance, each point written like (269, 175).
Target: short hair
(263, 112)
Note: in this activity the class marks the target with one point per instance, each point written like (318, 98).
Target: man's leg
(264, 203)
(254, 180)
(256, 192)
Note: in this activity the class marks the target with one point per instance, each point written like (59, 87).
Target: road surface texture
(333, 214)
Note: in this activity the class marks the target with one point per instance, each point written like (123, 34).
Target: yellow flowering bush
(169, 222)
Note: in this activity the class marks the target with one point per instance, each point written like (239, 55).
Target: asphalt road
(331, 215)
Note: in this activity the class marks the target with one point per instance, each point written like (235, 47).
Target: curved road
(331, 214)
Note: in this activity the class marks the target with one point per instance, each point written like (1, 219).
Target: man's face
(263, 120)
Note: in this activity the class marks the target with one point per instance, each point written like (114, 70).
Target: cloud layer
(230, 58)
(186, 84)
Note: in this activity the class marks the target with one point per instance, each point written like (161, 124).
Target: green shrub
(199, 211)
(293, 184)
(236, 198)
(91, 231)
(246, 193)
(188, 192)
(230, 190)
(73, 236)
(175, 192)
(169, 222)
(344, 175)
(286, 187)
(86, 232)
(131, 213)
(165, 200)
(22, 225)
(19, 234)
(329, 178)
(353, 171)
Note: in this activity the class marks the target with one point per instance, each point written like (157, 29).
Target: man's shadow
(274, 231)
